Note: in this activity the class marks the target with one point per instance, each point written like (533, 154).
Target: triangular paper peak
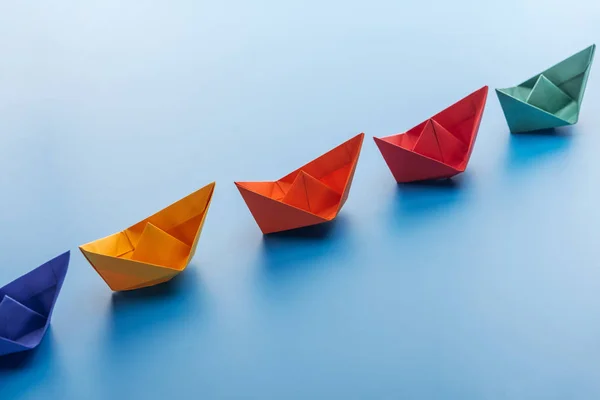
(427, 144)
(462, 118)
(27, 303)
(571, 66)
(321, 198)
(437, 143)
(330, 162)
(309, 195)
(551, 98)
(155, 249)
(439, 147)
(453, 150)
(354, 145)
(296, 195)
(572, 73)
(547, 96)
(39, 288)
(177, 215)
(333, 169)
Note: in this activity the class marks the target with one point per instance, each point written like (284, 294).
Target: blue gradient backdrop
(488, 288)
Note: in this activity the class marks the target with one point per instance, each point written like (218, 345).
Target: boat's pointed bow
(354, 145)
(60, 265)
(210, 187)
(480, 98)
(201, 196)
(240, 185)
(358, 139)
(591, 51)
(586, 54)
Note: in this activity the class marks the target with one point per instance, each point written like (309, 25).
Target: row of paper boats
(159, 247)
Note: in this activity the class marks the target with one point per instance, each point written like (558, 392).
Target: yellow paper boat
(154, 250)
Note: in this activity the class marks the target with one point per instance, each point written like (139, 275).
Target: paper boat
(154, 250)
(550, 99)
(439, 147)
(312, 194)
(26, 305)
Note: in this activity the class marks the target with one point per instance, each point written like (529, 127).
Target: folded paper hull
(27, 303)
(407, 166)
(550, 99)
(155, 249)
(310, 195)
(439, 147)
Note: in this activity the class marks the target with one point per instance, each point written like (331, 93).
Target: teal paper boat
(550, 99)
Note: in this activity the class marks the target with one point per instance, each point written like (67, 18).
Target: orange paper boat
(439, 147)
(312, 194)
(154, 250)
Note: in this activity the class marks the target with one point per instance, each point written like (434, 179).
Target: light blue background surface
(485, 289)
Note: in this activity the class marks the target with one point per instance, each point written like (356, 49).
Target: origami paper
(26, 305)
(439, 147)
(155, 249)
(310, 195)
(549, 99)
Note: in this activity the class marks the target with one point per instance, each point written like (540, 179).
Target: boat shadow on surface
(306, 248)
(313, 232)
(183, 284)
(425, 196)
(526, 149)
(27, 359)
(157, 306)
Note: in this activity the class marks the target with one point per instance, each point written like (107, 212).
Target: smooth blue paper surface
(484, 288)
(26, 305)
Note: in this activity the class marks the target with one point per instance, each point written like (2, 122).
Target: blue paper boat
(551, 98)
(26, 305)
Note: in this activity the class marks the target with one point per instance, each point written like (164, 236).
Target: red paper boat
(312, 194)
(439, 147)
